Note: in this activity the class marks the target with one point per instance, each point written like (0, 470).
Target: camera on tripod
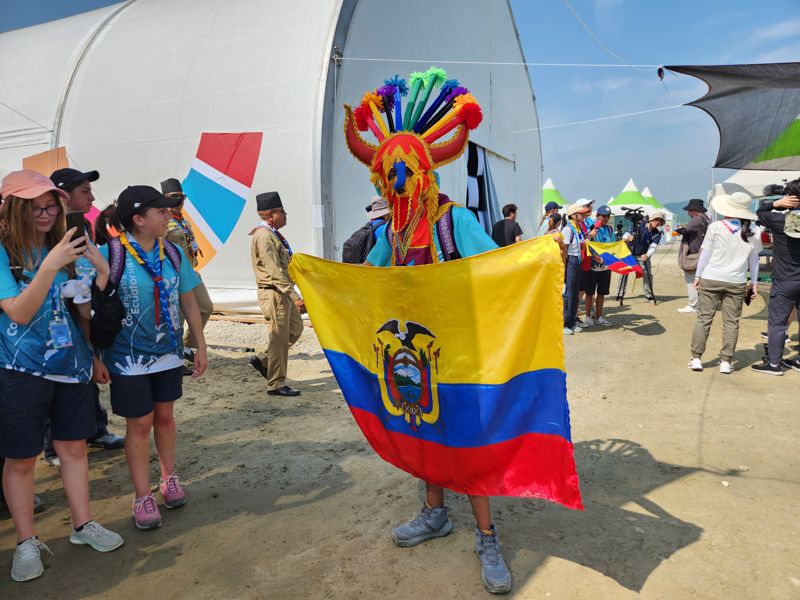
(635, 215)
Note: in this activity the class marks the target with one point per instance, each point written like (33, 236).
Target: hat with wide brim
(736, 205)
(695, 204)
(576, 208)
(657, 214)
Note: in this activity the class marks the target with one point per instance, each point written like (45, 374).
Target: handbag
(687, 262)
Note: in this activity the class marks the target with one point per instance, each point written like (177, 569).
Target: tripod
(623, 283)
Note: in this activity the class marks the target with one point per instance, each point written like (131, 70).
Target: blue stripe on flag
(471, 415)
(220, 207)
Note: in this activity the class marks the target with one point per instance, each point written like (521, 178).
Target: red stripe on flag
(233, 154)
(533, 465)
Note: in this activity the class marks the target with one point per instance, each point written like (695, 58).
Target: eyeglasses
(50, 209)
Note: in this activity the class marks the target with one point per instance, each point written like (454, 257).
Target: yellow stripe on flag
(495, 315)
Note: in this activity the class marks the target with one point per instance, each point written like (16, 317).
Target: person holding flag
(596, 283)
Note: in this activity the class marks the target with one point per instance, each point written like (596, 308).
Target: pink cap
(28, 184)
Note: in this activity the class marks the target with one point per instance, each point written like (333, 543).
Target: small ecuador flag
(616, 257)
(454, 371)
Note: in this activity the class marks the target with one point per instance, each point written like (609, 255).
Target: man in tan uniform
(280, 303)
(180, 233)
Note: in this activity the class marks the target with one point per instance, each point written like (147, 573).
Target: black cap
(136, 199)
(695, 204)
(550, 206)
(68, 179)
(171, 186)
(268, 201)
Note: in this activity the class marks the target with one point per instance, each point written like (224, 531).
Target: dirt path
(690, 482)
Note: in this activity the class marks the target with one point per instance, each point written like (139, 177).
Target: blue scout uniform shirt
(641, 244)
(141, 347)
(470, 239)
(29, 348)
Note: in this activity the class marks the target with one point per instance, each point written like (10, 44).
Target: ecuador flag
(616, 257)
(454, 371)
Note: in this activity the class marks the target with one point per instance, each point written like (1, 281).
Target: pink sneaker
(145, 513)
(174, 496)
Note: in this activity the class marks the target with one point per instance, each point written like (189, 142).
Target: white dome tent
(130, 89)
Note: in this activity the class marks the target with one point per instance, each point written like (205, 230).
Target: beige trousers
(729, 297)
(285, 327)
(206, 308)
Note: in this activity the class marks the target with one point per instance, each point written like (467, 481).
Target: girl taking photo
(45, 362)
(154, 279)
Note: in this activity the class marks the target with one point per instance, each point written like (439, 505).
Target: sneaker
(52, 460)
(604, 322)
(579, 321)
(171, 490)
(27, 563)
(145, 513)
(765, 336)
(98, 537)
(687, 310)
(696, 364)
(577, 329)
(108, 441)
(725, 367)
(767, 369)
(430, 523)
(792, 363)
(567, 331)
(649, 299)
(494, 572)
(588, 322)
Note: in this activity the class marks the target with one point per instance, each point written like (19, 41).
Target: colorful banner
(454, 371)
(217, 187)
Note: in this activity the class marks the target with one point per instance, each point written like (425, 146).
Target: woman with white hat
(730, 248)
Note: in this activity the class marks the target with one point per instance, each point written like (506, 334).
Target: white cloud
(790, 53)
(778, 31)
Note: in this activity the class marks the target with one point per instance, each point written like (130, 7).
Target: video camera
(635, 215)
(774, 189)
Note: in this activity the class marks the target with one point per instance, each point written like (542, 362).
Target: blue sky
(669, 151)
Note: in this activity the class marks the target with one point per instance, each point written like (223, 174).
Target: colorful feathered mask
(408, 149)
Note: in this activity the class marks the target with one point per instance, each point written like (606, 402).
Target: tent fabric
(630, 196)
(756, 110)
(650, 199)
(550, 193)
(752, 182)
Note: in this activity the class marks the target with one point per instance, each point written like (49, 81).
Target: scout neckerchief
(184, 226)
(578, 233)
(154, 268)
(278, 235)
(732, 225)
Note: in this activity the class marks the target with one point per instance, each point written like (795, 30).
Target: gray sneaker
(430, 523)
(494, 573)
(27, 563)
(98, 537)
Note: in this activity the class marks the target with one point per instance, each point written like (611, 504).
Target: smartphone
(76, 219)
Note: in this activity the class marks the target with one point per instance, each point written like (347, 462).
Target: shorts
(134, 396)
(27, 402)
(598, 282)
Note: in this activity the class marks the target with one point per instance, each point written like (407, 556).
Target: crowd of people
(90, 305)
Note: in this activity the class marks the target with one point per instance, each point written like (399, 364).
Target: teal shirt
(142, 347)
(29, 348)
(470, 237)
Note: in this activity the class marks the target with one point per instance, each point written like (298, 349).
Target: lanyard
(55, 302)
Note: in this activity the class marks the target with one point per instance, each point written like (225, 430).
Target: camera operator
(646, 236)
(785, 292)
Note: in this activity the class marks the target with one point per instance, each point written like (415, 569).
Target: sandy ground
(690, 482)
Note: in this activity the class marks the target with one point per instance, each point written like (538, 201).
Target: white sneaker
(98, 537)
(567, 331)
(27, 563)
(604, 322)
(725, 367)
(687, 309)
(696, 364)
(577, 329)
(588, 322)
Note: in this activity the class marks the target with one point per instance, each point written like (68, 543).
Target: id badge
(60, 334)
(195, 246)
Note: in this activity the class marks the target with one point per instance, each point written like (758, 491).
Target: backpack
(108, 312)
(356, 248)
